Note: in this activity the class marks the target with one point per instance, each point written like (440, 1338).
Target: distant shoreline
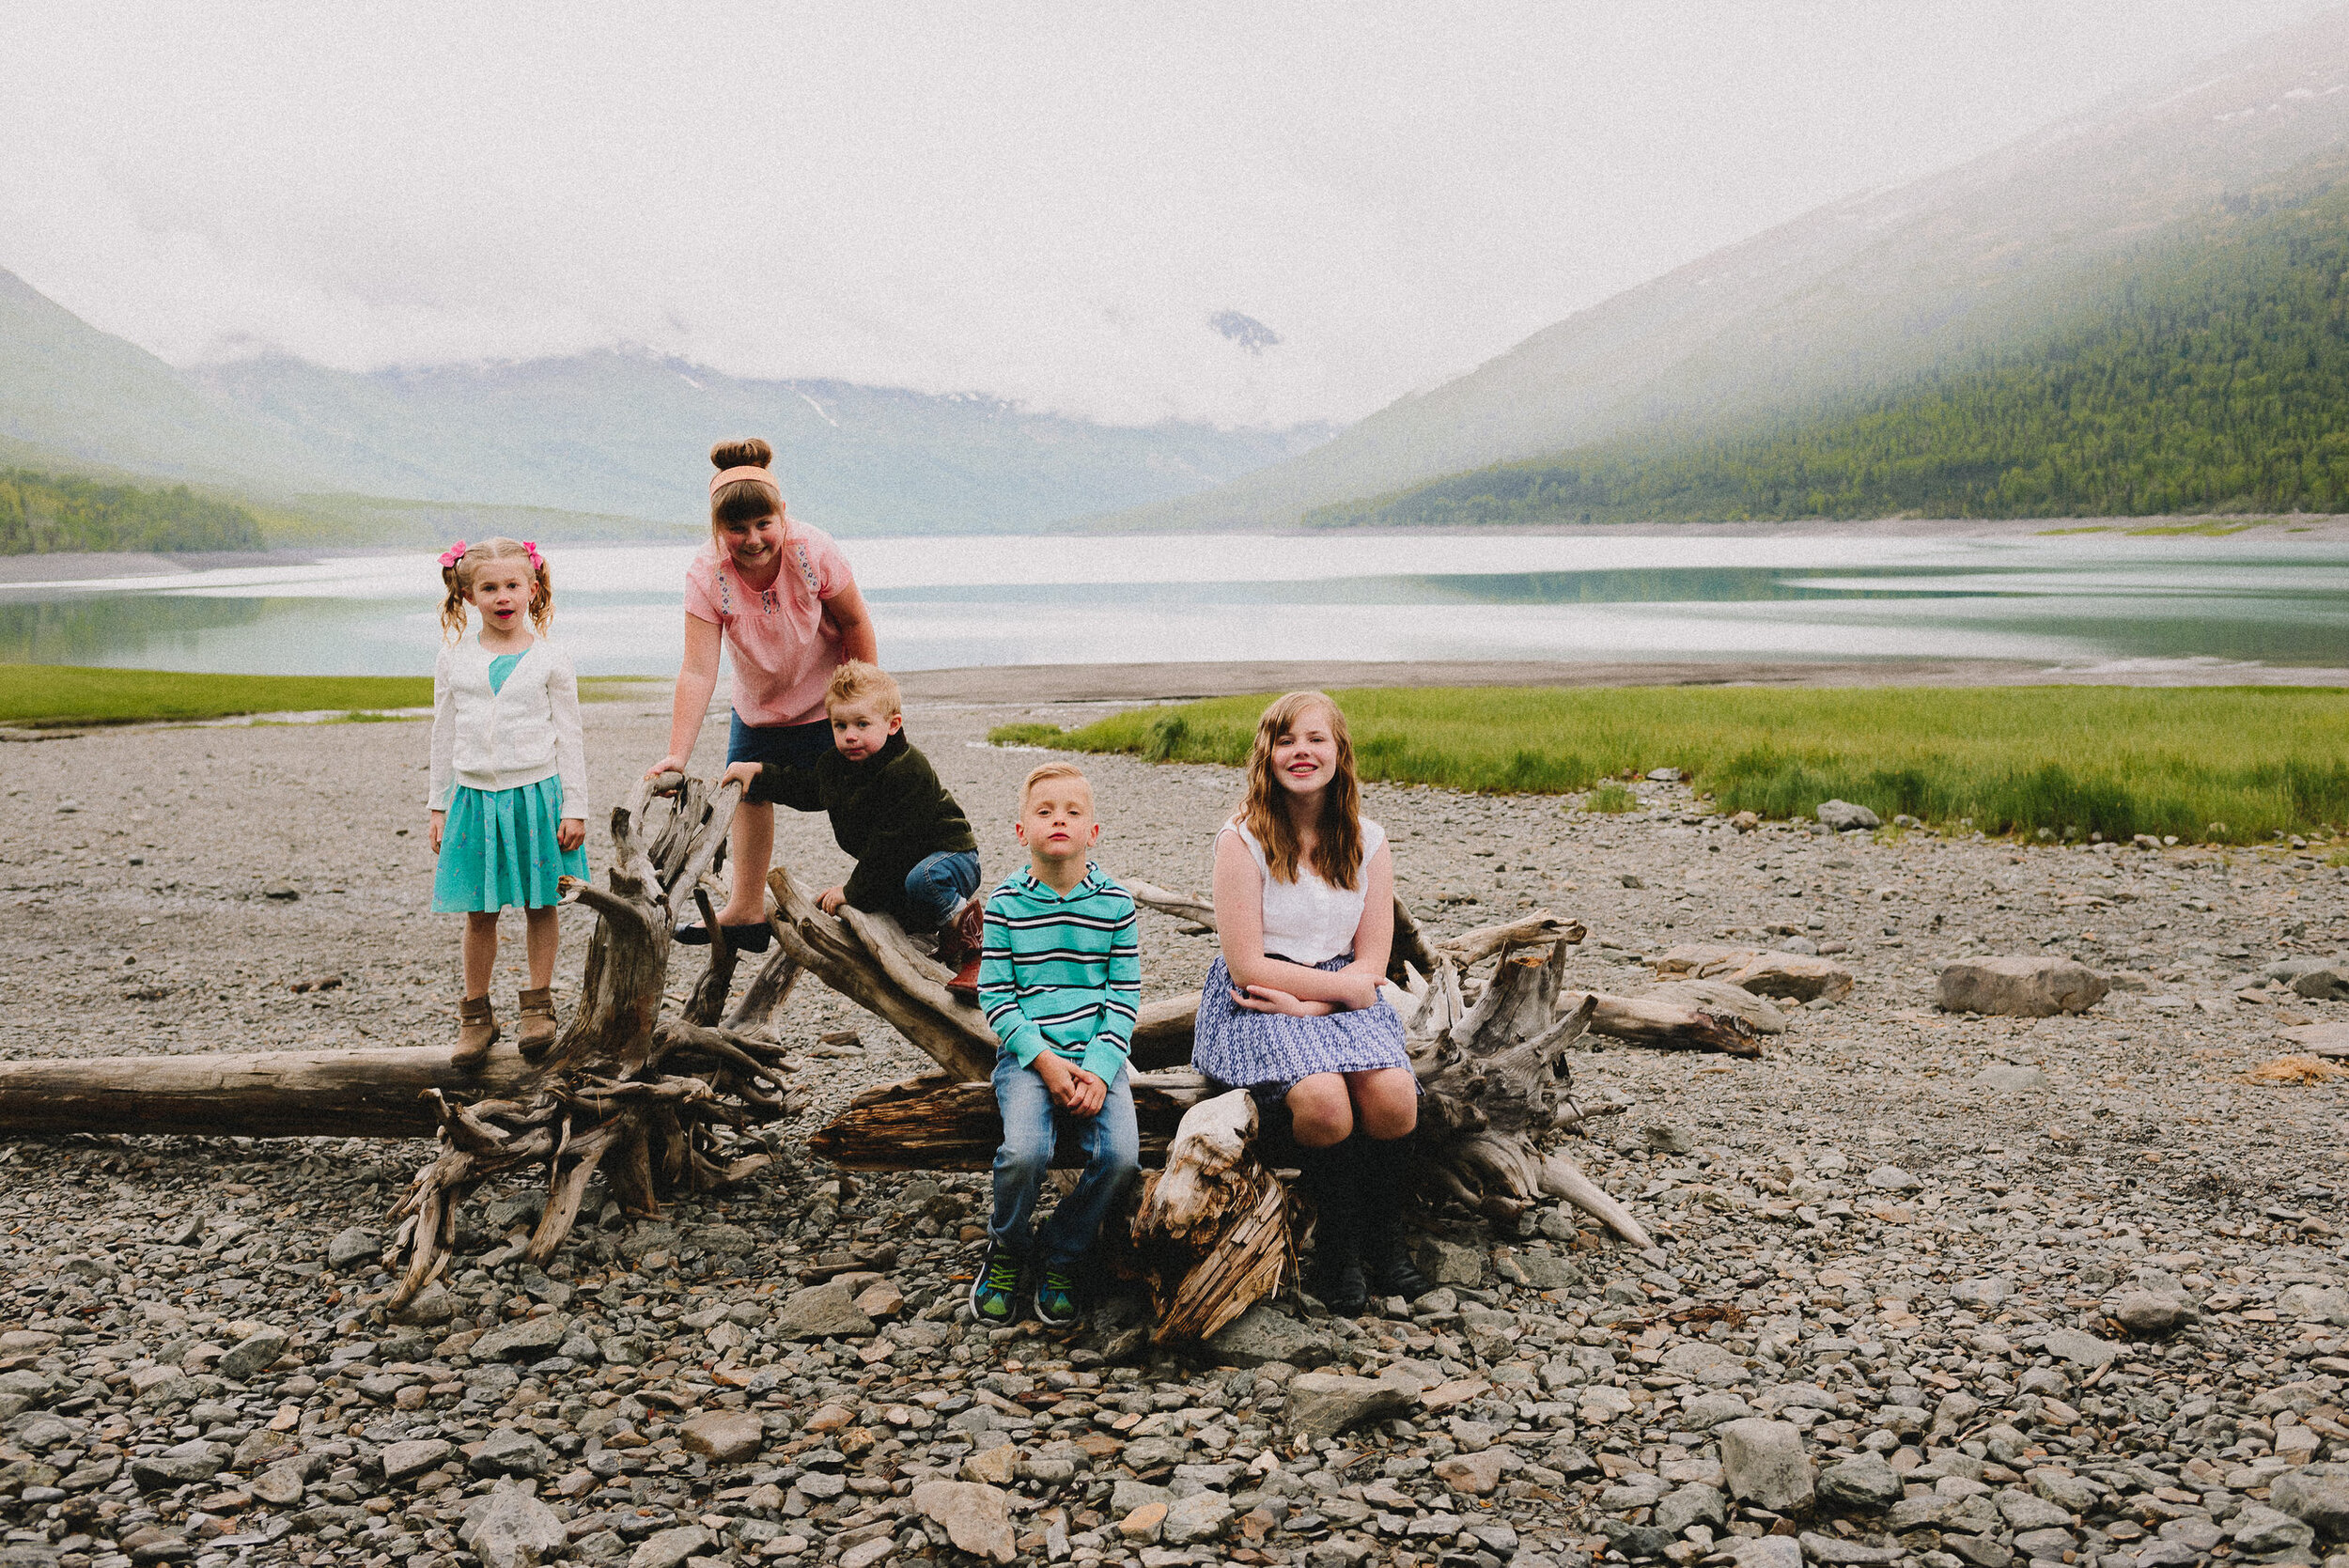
(83, 566)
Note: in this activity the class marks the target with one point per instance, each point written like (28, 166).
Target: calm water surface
(944, 602)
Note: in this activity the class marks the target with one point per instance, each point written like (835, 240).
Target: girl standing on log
(509, 779)
(1292, 1009)
(780, 595)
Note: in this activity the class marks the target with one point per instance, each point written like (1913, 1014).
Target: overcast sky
(1047, 202)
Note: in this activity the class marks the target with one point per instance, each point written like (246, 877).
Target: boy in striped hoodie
(1060, 977)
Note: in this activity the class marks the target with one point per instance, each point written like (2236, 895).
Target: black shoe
(742, 939)
(1334, 1272)
(1381, 1172)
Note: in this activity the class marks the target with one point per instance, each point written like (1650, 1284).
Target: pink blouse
(784, 649)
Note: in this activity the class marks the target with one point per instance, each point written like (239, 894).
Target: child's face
(1305, 756)
(501, 591)
(861, 729)
(1056, 821)
(755, 544)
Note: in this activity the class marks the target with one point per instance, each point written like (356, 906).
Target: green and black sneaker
(995, 1294)
(1056, 1297)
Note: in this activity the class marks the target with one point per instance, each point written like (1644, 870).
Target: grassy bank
(38, 696)
(2227, 765)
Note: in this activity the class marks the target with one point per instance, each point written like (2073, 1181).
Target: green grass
(1610, 798)
(39, 696)
(2108, 760)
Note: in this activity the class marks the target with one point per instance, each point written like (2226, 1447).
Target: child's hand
(439, 821)
(743, 773)
(831, 899)
(1085, 1094)
(570, 832)
(667, 765)
(1058, 1075)
(1264, 998)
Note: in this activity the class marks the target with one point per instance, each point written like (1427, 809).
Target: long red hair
(1338, 839)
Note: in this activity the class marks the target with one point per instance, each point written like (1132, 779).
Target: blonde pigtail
(542, 598)
(452, 607)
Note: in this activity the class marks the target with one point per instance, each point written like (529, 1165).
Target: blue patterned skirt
(498, 849)
(1270, 1053)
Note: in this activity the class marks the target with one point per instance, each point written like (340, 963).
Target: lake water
(2076, 600)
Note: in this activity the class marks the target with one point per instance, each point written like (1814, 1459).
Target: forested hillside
(42, 513)
(2212, 375)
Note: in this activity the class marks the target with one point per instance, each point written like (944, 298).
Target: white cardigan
(524, 731)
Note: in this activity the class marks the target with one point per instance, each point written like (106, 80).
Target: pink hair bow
(536, 563)
(453, 555)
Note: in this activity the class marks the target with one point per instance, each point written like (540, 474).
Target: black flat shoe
(742, 939)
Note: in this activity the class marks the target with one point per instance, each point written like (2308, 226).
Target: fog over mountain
(1858, 293)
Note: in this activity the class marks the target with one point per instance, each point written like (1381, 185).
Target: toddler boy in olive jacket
(916, 858)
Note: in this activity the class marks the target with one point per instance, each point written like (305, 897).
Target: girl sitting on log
(509, 779)
(1292, 1009)
(781, 596)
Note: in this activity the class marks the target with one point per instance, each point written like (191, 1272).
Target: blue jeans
(1112, 1148)
(937, 887)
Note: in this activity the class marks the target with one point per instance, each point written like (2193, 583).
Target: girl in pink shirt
(780, 595)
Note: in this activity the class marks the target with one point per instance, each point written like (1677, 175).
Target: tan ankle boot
(535, 1035)
(476, 1030)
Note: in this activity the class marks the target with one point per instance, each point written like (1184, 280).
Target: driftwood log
(1214, 1230)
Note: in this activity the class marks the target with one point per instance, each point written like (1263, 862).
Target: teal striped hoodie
(1062, 973)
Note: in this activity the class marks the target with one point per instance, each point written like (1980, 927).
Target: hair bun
(744, 452)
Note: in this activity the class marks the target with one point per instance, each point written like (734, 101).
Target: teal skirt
(498, 849)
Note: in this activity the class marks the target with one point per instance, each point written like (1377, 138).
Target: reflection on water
(964, 602)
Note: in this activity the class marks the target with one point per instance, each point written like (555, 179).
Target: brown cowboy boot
(536, 1035)
(476, 1030)
(962, 936)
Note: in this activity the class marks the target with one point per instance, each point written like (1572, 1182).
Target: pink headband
(731, 476)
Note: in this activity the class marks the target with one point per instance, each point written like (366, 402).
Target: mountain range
(608, 442)
(1996, 258)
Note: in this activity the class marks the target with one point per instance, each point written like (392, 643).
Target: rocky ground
(1929, 1289)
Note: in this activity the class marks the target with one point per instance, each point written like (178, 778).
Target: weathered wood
(1213, 1226)
(956, 1038)
(941, 1124)
(374, 1093)
(1670, 1026)
(1473, 946)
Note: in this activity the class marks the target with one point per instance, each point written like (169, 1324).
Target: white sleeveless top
(1308, 921)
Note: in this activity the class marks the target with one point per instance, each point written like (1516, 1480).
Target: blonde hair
(459, 577)
(855, 681)
(1047, 771)
(745, 500)
(1338, 843)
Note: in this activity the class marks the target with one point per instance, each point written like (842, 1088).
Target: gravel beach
(1930, 1289)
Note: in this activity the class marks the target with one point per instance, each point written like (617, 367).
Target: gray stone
(1764, 1463)
(261, 1449)
(404, 1461)
(1764, 1551)
(1262, 1335)
(160, 1472)
(2009, 1077)
(524, 1341)
(2022, 1511)
(2067, 1492)
(2152, 1314)
(1692, 1505)
(669, 1548)
(1129, 1494)
(1864, 1485)
(2316, 1494)
(2330, 984)
(1982, 1294)
(350, 1244)
(1839, 1553)
(820, 1313)
(1707, 1411)
(2020, 987)
(1201, 1516)
(1891, 1178)
(509, 1453)
(433, 1306)
(1324, 1404)
(2307, 1303)
(728, 1437)
(256, 1352)
(976, 1518)
(512, 1529)
(1634, 1491)
(2082, 1349)
(2266, 1529)
(1666, 1139)
(280, 1485)
(1845, 817)
(1448, 1263)
(2048, 1544)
